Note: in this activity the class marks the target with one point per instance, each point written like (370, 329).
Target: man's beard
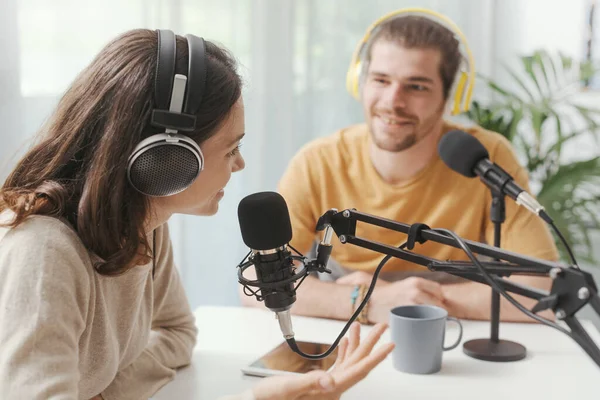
(420, 132)
(408, 142)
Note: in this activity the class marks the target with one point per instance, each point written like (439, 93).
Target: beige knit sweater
(67, 332)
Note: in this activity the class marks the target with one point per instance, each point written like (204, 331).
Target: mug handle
(460, 334)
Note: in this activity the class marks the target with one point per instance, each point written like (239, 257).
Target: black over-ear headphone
(168, 163)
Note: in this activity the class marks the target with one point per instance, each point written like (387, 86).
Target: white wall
(521, 27)
(524, 26)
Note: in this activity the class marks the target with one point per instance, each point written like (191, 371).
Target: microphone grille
(264, 221)
(461, 151)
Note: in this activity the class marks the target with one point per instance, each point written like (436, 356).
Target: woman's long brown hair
(77, 170)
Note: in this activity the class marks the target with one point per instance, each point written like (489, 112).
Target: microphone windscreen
(461, 152)
(264, 221)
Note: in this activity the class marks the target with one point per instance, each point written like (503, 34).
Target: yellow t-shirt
(336, 172)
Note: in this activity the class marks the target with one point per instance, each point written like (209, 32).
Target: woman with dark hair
(90, 301)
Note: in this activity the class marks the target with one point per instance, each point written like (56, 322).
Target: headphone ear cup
(160, 167)
(459, 94)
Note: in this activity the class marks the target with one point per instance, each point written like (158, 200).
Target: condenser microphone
(266, 229)
(466, 155)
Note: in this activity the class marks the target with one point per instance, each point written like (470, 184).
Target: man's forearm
(315, 298)
(473, 300)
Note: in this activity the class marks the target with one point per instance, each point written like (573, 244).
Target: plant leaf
(569, 175)
(521, 84)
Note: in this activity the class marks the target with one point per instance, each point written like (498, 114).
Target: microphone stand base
(498, 351)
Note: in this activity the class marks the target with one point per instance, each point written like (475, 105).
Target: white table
(230, 337)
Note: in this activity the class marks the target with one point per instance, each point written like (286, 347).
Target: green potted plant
(542, 117)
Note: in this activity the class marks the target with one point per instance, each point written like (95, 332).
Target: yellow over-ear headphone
(463, 88)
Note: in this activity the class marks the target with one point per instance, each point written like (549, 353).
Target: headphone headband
(466, 81)
(165, 69)
(196, 73)
(166, 114)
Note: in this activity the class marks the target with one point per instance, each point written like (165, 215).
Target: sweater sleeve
(173, 333)
(44, 292)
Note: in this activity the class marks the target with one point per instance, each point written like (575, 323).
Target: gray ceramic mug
(418, 332)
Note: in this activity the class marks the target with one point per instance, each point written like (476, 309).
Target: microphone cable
(544, 215)
(292, 342)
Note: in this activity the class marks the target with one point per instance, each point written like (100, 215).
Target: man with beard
(389, 167)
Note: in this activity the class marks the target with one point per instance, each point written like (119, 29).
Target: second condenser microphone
(466, 155)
